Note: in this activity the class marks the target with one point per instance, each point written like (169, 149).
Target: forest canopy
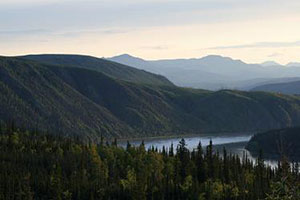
(42, 166)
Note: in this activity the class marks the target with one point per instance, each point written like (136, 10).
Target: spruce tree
(225, 166)
(200, 163)
(171, 150)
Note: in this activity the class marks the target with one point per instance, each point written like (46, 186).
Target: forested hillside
(86, 103)
(112, 69)
(277, 143)
(38, 166)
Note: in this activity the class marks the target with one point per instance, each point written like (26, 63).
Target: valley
(149, 100)
(67, 97)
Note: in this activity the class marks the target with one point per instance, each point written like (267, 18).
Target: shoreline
(219, 134)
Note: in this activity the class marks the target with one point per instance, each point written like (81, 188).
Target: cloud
(158, 47)
(77, 33)
(260, 45)
(275, 55)
(69, 33)
(23, 32)
(65, 14)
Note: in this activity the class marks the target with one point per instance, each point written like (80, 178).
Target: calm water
(233, 144)
(191, 142)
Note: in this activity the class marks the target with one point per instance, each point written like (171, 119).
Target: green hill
(112, 69)
(277, 143)
(77, 101)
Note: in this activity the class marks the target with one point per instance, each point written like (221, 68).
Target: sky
(251, 30)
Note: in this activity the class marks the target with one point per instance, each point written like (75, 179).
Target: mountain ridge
(87, 103)
(270, 64)
(291, 88)
(211, 72)
(112, 69)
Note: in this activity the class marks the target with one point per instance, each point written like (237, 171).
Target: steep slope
(34, 96)
(83, 102)
(277, 143)
(284, 88)
(109, 68)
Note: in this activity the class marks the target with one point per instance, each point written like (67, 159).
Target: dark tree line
(40, 166)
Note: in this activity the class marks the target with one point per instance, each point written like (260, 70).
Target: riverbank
(207, 134)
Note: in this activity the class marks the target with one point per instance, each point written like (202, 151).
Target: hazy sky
(251, 30)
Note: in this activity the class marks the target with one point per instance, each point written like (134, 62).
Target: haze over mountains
(293, 64)
(269, 63)
(284, 88)
(215, 72)
(75, 95)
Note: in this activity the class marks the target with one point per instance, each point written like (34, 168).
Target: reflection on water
(238, 148)
(191, 142)
(233, 144)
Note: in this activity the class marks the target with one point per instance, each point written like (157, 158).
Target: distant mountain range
(284, 88)
(269, 63)
(293, 64)
(89, 97)
(214, 72)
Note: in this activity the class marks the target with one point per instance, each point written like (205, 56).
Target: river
(233, 144)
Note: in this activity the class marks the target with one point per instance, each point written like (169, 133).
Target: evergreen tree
(183, 155)
(115, 142)
(171, 150)
(200, 163)
(38, 166)
(225, 167)
(209, 157)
